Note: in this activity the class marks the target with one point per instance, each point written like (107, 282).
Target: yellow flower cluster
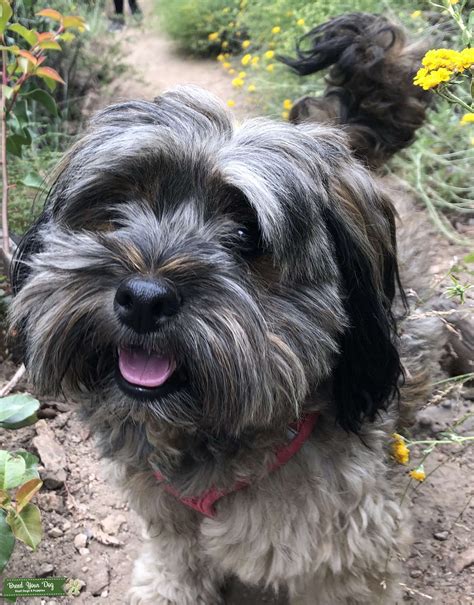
(287, 104)
(213, 37)
(418, 474)
(246, 59)
(276, 29)
(399, 449)
(245, 44)
(440, 64)
(467, 118)
(238, 82)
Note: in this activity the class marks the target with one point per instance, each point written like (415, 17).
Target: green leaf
(26, 492)
(31, 462)
(33, 181)
(7, 91)
(44, 98)
(24, 32)
(26, 525)
(16, 408)
(5, 14)
(50, 45)
(469, 258)
(14, 145)
(13, 425)
(7, 541)
(12, 469)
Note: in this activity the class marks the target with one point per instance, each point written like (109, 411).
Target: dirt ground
(90, 533)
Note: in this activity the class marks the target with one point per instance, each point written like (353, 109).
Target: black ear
(30, 244)
(368, 370)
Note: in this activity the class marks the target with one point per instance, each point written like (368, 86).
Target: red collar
(205, 504)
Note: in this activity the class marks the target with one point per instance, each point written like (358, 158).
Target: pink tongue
(145, 369)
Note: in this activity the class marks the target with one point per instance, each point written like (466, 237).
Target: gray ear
(30, 244)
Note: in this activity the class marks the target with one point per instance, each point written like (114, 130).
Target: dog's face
(192, 272)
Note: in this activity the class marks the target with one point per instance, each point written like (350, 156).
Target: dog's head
(194, 272)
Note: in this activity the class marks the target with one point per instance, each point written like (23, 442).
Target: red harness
(205, 504)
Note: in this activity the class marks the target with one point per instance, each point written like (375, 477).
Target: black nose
(142, 303)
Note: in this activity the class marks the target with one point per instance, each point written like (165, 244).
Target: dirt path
(90, 533)
(156, 66)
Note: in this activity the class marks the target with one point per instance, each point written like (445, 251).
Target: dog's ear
(30, 244)
(361, 225)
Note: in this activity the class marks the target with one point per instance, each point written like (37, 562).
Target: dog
(222, 301)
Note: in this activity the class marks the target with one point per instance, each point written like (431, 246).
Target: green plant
(24, 52)
(19, 481)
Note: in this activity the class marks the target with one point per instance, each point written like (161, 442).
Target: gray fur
(158, 189)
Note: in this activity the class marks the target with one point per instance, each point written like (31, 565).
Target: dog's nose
(141, 303)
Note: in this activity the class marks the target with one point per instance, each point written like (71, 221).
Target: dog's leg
(170, 571)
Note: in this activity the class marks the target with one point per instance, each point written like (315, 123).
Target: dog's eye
(246, 241)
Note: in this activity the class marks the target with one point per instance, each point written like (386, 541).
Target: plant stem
(3, 141)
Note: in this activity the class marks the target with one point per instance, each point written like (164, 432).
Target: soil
(90, 533)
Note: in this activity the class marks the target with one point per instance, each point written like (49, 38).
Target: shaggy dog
(219, 298)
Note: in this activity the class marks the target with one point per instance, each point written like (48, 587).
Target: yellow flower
(276, 29)
(237, 82)
(270, 67)
(399, 449)
(442, 57)
(230, 103)
(415, 14)
(213, 37)
(466, 57)
(287, 104)
(232, 72)
(453, 1)
(468, 118)
(300, 22)
(255, 60)
(242, 74)
(430, 79)
(245, 44)
(226, 65)
(225, 44)
(220, 57)
(418, 474)
(251, 88)
(269, 54)
(285, 115)
(246, 59)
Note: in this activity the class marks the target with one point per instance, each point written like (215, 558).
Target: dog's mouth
(147, 374)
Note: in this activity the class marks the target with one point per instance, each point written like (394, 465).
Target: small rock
(441, 535)
(465, 559)
(104, 593)
(46, 570)
(55, 532)
(84, 569)
(84, 551)
(52, 456)
(80, 541)
(107, 540)
(51, 501)
(66, 526)
(111, 524)
(447, 404)
(416, 573)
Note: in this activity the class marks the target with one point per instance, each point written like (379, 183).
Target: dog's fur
(282, 246)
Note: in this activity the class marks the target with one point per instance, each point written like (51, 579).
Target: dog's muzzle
(143, 305)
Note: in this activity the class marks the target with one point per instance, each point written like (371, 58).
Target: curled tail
(370, 83)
